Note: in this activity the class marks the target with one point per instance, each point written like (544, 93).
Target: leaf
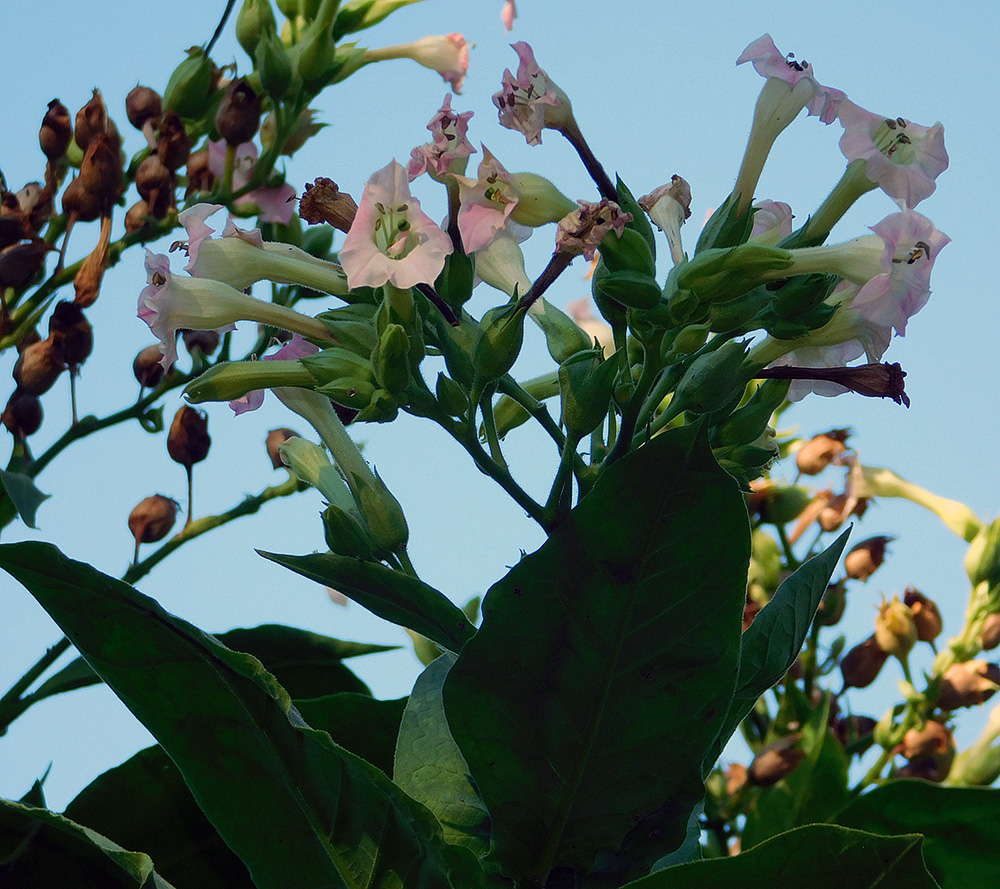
(396, 597)
(961, 827)
(23, 494)
(430, 767)
(820, 856)
(604, 666)
(359, 723)
(93, 855)
(773, 641)
(298, 809)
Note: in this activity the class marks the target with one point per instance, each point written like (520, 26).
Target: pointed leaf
(820, 856)
(403, 600)
(23, 494)
(298, 809)
(961, 827)
(430, 767)
(604, 666)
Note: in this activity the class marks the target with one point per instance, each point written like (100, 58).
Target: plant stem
(11, 704)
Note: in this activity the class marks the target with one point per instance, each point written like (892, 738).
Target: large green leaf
(396, 597)
(961, 827)
(604, 666)
(820, 856)
(773, 641)
(90, 859)
(359, 723)
(430, 767)
(298, 809)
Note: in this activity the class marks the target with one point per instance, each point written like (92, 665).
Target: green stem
(634, 406)
(490, 427)
(560, 495)
(12, 704)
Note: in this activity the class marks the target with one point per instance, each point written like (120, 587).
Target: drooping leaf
(604, 666)
(298, 809)
(359, 723)
(95, 860)
(396, 597)
(820, 856)
(430, 767)
(773, 641)
(961, 827)
(23, 494)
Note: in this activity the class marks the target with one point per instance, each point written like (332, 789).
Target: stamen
(158, 279)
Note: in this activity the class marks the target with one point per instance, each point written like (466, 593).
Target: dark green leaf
(820, 856)
(961, 827)
(359, 723)
(604, 666)
(76, 674)
(91, 859)
(298, 809)
(23, 494)
(403, 600)
(430, 767)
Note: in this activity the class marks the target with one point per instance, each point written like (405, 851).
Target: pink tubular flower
(901, 157)
(531, 102)
(771, 222)
(391, 239)
(448, 54)
(297, 347)
(508, 14)
(583, 230)
(486, 203)
(275, 204)
(449, 146)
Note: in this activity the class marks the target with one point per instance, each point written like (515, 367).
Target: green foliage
(23, 494)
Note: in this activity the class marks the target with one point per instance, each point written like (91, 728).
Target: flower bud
(274, 66)
(322, 201)
(188, 440)
(451, 396)
(832, 605)
(563, 336)
(174, 144)
(783, 504)
(538, 200)
(820, 451)
(347, 536)
(391, 359)
(255, 22)
(152, 520)
(635, 290)
(967, 684)
(895, 629)
(926, 615)
(275, 438)
(189, 89)
(382, 407)
(56, 132)
(39, 365)
(23, 414)
(586, 383)
(91, 121)
(776, 761)
(499, 343)
(381, 511)
(69, 322)
(861, 665)
(143, 105)
(989, 635)
(714, 380)
(238, 117)
(864, 559)
(147, 367)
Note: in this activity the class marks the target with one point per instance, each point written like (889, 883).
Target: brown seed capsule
(199, 175)
(851, 729)
(274, 438)
(91, 121)
(152, 177)
(101, 169)
(931, 740)
(203, 341)
(21, 262)
(861, 665)
(147, 368)
(968, 684)
(863, 560)
(323, 201)
(925, 614)
(79, 202)
(143, 104)
(775, 761)
(23, 414)
(238, 117)
(736, 777)
(69, 321)
(989, 635)
(895, 629)
(152, 520)
(188, 440)
(136, 218)
(56, 132)
(820, 451)
(39, 365)
(832, 605)
(174, 144)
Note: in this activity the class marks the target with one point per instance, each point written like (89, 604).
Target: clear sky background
(656, 92)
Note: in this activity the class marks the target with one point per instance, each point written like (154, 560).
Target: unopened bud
(989, 635)
(784, 504)
(274, 66)
(23, 414)
(322, 201)
(926, 615)
(56, 132)
(189, 90)
(346, 535)
(71, 324)
(586, 384)
(968, 684)
(775, 761)
(174, 144)
(147, 367)
(381, 512)
(451, 396)
(863, 560)
(188, 440)
(254, 22)
(278, 437)
(714, 380)
(39, 365)
(861, 665)
(152, 520)
(895, 629)
(143, 104)
(91, 121)
(538, 200)
(499, 342)
(820, 451)
(238, 117)
(390, 359)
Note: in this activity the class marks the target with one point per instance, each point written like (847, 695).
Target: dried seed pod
(68, 320)
(23, 414)
(968, 684)
(152, 520)
(863, 560)
(21, 262)
(80, 203)
(820, 451)
(199, 175)
(989, 635)
(152, 177)
(137, 217)
(91, 121)
(323, 201)
(238, 117)
(203, 341)
(274, 438)
(931, 740)
(39, 365)
(736, 777)
(174, 144)
(143, 104)
(926, 615)
(775, 761)
(188, 440)
(101, 170)
(147, 368)
(56, 132)
(861, 665)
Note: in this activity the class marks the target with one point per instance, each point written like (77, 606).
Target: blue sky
(656, 92)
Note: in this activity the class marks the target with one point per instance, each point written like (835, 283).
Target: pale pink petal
(508, 14)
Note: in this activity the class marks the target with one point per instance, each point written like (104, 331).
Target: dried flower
(863, 560)
(152, 520)
(775, 761)
(968, 684)
(926, 615)
(861, 665)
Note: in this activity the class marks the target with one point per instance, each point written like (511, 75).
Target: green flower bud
(630, 252)
(349, 392)
(189, 90)
(714, 380)
(562, 334)
(726, 273)
(255, 22)
(737, 314)
(982, 560)
(360, 14)
(311, 465)
(586, 383)
(335, 363)
(381, 511)
(314, 55)
(636, 290)
(391, 359)
(750, 421)
(454, 284)
(539, 201)
(499, 341)
(783, 505)
(274, 65)
(382, 408)
(233, 379)
(451, 396)
(347, 536)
